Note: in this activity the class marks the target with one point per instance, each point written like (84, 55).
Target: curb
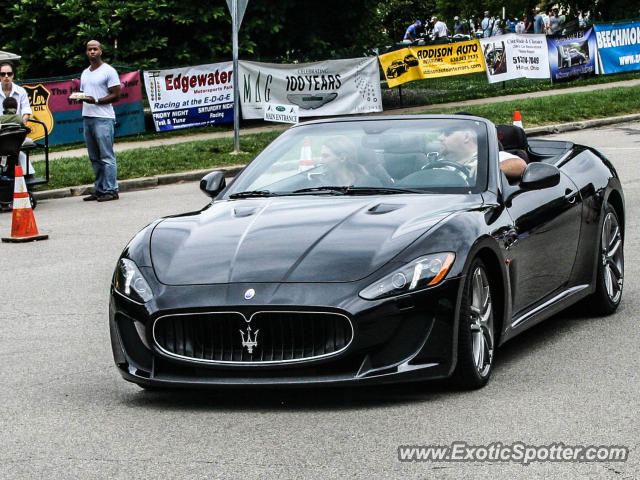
(196, 175)
(138, 183)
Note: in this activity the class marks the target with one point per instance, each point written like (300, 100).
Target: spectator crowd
(549, 22)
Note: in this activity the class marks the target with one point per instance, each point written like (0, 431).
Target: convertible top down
(369, 250)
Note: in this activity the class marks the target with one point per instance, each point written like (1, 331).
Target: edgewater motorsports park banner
(514, 55)
(63, 117)
(618, 46)
(330, 87)
(415, 63)
(572, 56)
(190, 96)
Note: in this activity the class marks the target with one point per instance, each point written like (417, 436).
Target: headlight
(130, 282)
(423, 272)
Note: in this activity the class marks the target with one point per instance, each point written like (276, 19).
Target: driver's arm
(512, 165)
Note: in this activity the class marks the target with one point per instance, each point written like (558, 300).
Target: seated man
(460, 145)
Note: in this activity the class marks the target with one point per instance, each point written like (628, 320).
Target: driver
(460, 145)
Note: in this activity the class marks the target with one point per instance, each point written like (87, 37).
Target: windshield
(380, 156)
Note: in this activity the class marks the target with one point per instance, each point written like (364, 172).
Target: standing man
(538, 22)
(10, 89)
(459, 28)
(101, 86)
(486, 25)
(440, 29)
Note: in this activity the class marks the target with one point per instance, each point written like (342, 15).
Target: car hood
(293, 239)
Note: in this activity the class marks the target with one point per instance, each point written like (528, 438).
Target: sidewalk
(122, 146)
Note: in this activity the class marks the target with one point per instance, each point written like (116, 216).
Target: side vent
(384, 208)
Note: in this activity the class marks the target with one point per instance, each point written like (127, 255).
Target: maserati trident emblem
(248, 295)
(249, 342)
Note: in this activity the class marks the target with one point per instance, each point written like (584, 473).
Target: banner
(190, 96)
(415, 63)
(572, 56)
(331, 87)
(618, 46)
(515, 55)
(50, 104)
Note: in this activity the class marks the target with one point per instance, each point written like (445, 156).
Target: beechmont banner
(331, 87)
(414, 63)
(190, 96)
(512, 56)
(618, 46)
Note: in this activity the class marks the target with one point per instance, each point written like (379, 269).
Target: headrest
(395, 143)
(512, 137)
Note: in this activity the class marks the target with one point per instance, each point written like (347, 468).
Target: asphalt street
(66, 412)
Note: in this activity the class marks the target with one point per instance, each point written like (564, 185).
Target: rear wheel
(476, 334)
(610, 276)
(32, 200)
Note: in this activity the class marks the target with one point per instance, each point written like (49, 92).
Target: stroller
(13, 140)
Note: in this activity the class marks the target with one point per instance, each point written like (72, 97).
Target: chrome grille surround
(159, 337)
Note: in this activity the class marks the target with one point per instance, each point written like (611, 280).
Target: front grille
(275, 337)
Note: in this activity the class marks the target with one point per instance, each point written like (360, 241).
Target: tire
(610, 277)
(33, 200)
(476, 331)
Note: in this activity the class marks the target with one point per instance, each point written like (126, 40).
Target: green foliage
(51, 34)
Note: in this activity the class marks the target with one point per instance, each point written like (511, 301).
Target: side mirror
(539, 175)
(213, 183)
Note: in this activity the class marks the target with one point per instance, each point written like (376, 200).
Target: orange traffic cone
(23, 223)
(517, 119)
(306, 162)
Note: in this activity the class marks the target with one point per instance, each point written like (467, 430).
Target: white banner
(331, 87)
(274, 112)
(190, 96)
(516, 56)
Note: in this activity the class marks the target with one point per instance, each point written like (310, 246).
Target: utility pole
(237, 9)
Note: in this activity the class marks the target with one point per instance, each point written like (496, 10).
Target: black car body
(397, 68)
(419, 277)
(411, 61)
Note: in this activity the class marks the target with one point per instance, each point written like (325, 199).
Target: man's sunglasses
(6, 74)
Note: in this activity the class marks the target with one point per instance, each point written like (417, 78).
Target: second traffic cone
(306, 162)
(23, 223)
(517, 119)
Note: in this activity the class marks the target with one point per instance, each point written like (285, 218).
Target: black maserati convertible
(369, 250)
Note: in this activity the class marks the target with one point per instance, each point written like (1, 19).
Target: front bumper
(407, 338)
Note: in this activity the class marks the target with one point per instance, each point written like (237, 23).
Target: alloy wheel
(481, 325)
(611, 257)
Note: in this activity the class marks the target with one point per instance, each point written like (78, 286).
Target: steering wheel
(436, 162)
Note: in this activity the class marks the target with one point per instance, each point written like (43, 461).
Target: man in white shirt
(439, 28)
(10, 89)
(101, 86)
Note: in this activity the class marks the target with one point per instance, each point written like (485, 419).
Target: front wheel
(610, 276)
(476, 333)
